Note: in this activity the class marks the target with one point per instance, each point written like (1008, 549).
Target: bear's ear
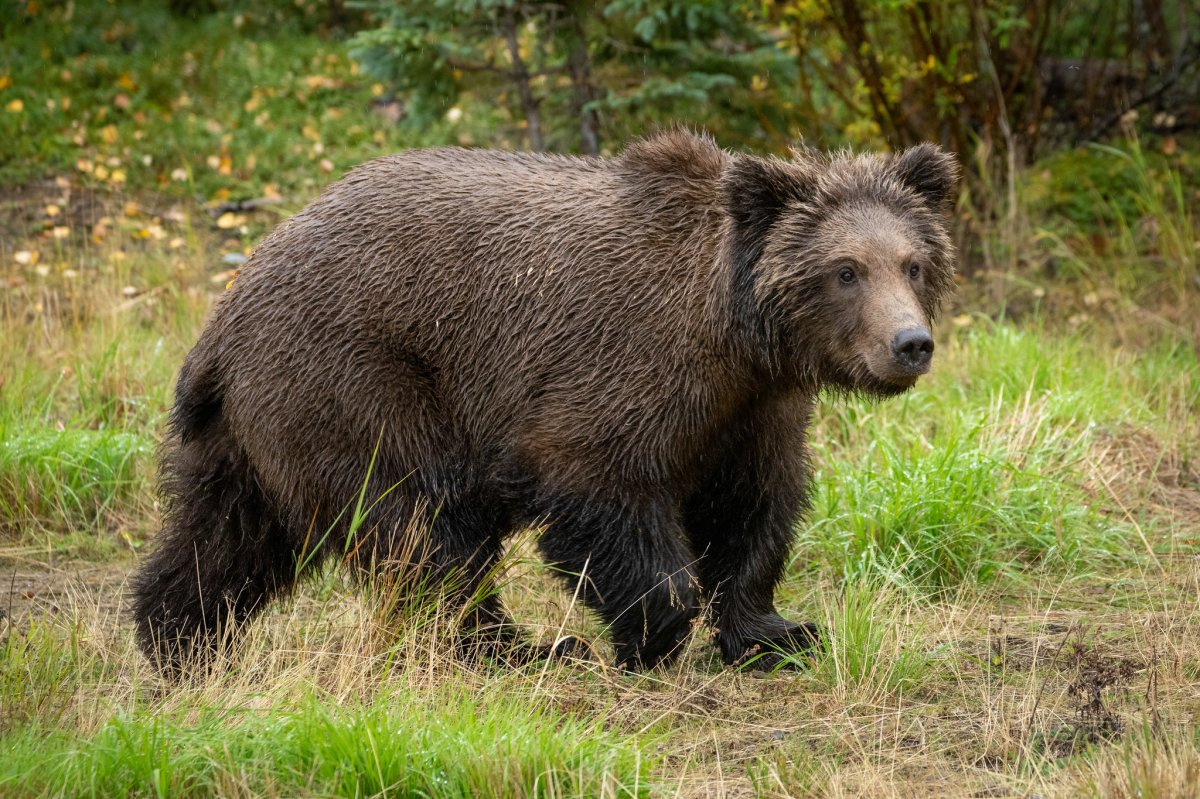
(756, 190)
(931, 172)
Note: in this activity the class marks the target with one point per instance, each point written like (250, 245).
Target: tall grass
(1118, 220)
(1144, 766)
(70, 479)
(868, 652)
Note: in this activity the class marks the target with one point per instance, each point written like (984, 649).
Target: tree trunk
(520, 74)
(581, 79)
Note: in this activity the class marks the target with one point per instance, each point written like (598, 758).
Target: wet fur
(625, 350)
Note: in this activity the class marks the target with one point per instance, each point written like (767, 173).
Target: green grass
(69, 479)
(402, 745)
(998, 465)
(864, 653)
(950, 512)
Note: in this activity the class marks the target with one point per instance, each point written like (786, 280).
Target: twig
(246, 205)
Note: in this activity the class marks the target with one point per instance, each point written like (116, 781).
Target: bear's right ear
(756, 190)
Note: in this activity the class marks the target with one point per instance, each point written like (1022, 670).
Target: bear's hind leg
(635, 568)
(446, 553)
(222, 554)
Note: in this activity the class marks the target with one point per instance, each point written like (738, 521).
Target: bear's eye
(914, 270)
(846, 275)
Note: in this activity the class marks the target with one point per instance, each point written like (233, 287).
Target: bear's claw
(778, 651)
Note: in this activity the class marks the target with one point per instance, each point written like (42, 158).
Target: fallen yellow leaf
(26, 257)
(53, 210)
(320, 82)
(5, 81)
(15, 106)
(229, 220)
(61, 231)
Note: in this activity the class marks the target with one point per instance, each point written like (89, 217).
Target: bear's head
(841, 261)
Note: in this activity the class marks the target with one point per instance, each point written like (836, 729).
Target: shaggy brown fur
(625, 350)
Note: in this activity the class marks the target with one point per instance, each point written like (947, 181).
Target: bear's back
(473, 300)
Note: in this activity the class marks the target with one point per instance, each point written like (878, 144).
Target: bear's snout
(912, 348)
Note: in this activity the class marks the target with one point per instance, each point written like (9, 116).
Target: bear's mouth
(892, 386)
(887, 382)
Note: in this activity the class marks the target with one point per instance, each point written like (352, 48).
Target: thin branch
(1185, 61)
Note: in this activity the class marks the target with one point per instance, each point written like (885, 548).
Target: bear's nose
(913, 348)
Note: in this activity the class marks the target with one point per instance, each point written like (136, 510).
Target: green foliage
(1120, 215)
(1099, 187)
(422, 47)
(565, 70)
(712, 63)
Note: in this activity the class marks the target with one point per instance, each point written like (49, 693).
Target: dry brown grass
(1038, 692)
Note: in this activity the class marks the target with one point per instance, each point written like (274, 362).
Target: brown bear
(624, 352)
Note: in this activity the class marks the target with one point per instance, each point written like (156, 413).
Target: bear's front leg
(742, 522)
(634, 568)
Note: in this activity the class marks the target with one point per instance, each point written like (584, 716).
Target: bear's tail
(223, 550)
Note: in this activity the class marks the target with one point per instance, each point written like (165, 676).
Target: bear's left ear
(931, 172)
